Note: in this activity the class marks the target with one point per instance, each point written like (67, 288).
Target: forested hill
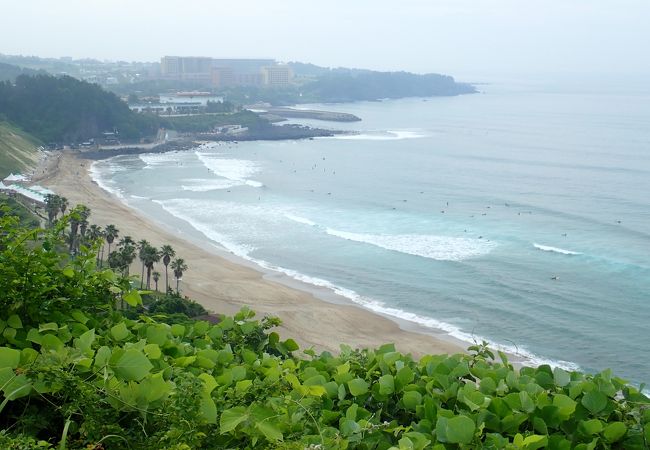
(344, 85)
(64, 109)
(10, 72)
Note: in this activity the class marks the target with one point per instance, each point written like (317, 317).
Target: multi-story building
(225, 72)
(171, 66)
(279, 75)
(223, 76)
(186, 68)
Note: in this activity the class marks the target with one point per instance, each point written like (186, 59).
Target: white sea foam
(407, 134)
(139, 197)
(299, 219)
(173, 207)
(179, 209)
(547, 248)
(457, 333)
(239, 170)
(155, 160)
(390, 135)
(207, 184)
(443, 248)
(97, 171)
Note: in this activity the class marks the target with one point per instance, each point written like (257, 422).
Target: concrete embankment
(331, 116)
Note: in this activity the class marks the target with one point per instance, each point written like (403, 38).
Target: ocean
(519, 215)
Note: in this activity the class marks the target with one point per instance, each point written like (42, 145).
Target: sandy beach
(222, 285)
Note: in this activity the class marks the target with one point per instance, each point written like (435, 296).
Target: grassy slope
(18, 150)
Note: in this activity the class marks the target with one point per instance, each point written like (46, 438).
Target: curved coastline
(318, 315)
(223, 282)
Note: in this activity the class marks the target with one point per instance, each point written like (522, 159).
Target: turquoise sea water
(518, 215)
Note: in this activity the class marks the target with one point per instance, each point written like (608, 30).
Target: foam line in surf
(239, 170)
(442, 248)
(98, 171)
(179, 209)
(389, 135)
(548, 248)
(207, 184)
(299, 219)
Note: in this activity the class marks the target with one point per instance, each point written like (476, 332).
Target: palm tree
(151, 256)
(74, 226)
(178, 266)
(126, 241)
(127, 253)
(78, 222)
(94, 234)
(63, 204)
(167, 253)
(84, 213)
(156, 277)
(110, 233)
(52, 206)
(142, 245)
(115, 260)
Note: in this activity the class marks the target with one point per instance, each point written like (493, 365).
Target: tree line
(121, 258)
(65, 109)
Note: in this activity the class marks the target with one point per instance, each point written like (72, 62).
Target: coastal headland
(224, 284)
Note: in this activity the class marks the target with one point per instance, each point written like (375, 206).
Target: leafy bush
(11, 207)
(75, 372)
(174, 304)
(8, 442)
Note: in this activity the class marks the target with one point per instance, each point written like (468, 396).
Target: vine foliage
(77, 372)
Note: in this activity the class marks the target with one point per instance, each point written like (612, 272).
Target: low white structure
(192, 97)
(15, 177)
(34, 193)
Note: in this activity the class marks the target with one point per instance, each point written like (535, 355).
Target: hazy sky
(460, 37)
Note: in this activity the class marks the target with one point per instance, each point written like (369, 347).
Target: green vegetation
(9, 72)
(367, 85)
(220, 107)
(173, 303)
(18, 150)
(207, 122)
(83, 365)
(323, 85)
(11, 207)
(64, 109)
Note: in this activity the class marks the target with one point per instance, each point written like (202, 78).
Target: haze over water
(519, 215)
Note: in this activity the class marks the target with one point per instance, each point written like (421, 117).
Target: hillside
(64, 109)
(18, 151)
(10, 72)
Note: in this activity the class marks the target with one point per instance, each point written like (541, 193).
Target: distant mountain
(64, 109)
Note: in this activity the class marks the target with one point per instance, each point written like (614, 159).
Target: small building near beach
(12, 178)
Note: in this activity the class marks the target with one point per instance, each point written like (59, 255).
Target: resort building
(186, 68)
(276, 75)
(191, 102)
(220, 72)
(223, 77)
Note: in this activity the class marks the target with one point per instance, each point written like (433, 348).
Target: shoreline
(223, 282)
